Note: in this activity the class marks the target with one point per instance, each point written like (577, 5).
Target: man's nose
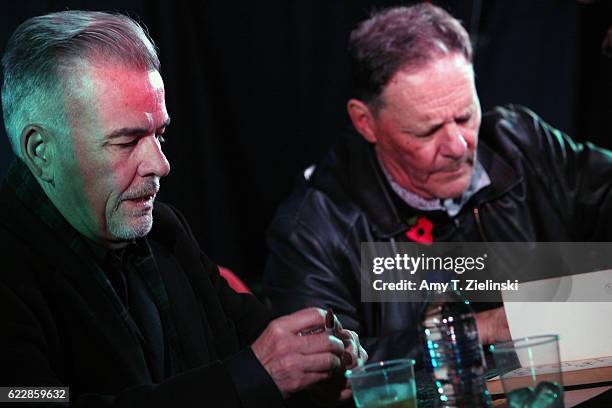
(152, 159)
(454, 145)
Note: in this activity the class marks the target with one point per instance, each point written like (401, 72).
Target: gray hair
(400, 38)
(43, 49)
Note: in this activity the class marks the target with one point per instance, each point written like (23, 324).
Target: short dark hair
(42, 48)
(400, 38)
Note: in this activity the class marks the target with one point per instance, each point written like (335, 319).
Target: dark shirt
(121, 267)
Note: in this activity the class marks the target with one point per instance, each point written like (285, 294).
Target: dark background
(257, 91)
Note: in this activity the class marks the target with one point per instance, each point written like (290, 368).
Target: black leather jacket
(544, 187)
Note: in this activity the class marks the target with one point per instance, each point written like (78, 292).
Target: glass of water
(386, 384)
(530, 371)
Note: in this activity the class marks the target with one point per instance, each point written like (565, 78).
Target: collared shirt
(452, 206)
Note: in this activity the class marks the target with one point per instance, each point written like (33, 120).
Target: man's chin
(131, 227)
(454, 186)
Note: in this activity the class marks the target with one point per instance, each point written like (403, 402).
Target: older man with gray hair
(423, 165)
(95, 295)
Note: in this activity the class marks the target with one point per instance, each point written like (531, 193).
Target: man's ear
(362, 118)
(38, 152)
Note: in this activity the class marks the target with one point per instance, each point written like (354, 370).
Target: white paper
(584, 328)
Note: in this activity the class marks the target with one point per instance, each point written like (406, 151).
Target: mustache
(148, 188)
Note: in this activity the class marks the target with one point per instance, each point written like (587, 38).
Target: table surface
(591, 397)
(596, 397)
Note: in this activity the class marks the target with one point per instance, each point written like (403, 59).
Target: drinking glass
(530, 371)
(386, 384)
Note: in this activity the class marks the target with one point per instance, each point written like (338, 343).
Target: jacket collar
(353, 165)
(72, 269)
(31, 197)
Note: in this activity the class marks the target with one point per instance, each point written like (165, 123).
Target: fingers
(303, 319)
(343, 334)
(321, 362)
(492, 326)
(322, 342)
(338, 325)
(482, 325)
(295, 372)
(352, 349)
(295, 361)
(363, 356)
(358, 356)
(346, 394)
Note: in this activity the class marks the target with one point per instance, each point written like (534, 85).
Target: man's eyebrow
(466, 112)
(134, 131)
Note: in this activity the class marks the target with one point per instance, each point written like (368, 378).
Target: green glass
(386, 384)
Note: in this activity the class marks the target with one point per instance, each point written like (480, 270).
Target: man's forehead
(84, 76)
(444, 83)
(132, 86)
(439, 72)
(117, 96)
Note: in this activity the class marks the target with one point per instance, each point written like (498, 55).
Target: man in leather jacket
(422, 148)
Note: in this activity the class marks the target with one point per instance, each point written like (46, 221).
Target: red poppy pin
(420, 230)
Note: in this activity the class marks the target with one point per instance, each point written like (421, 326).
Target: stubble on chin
(130, 226)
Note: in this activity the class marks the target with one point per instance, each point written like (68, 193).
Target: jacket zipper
(479, 224)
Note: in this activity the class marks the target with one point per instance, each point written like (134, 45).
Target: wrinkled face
(427, 130)
(111, 161)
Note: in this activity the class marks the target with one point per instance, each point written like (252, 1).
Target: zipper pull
(479, 224)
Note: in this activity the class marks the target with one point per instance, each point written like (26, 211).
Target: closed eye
(463, 119)
(127, 144)
(429, 132)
